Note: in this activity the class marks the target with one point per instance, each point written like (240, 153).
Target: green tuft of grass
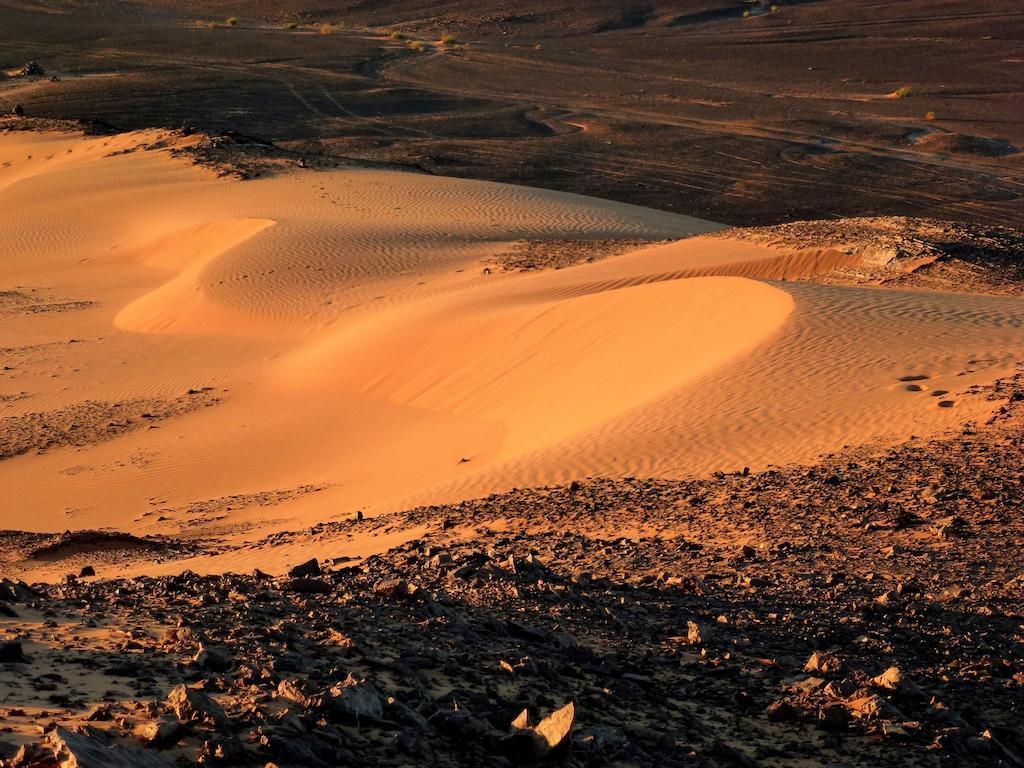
(396, 35)
(904, 92)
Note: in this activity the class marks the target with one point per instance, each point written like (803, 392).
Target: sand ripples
(346, 320)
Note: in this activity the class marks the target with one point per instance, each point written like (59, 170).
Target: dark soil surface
(821, 109)
(533, 255)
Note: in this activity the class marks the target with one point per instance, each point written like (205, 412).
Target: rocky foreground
(868, 611)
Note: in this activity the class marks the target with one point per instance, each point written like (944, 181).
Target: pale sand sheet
(360, 347)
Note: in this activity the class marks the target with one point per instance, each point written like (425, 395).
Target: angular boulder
(526, 744)
(76, 750)
(190, 706)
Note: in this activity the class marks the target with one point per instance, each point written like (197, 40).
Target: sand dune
(699, 256)
(537, 363)
(359, 351)
(179, 305)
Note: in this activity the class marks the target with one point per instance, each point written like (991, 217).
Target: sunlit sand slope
(360, 357)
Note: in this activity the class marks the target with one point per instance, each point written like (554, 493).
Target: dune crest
(33, 155)
(181, 304)
(703, 256)
(543, 366)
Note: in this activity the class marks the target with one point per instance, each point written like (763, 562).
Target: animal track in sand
(913, 386)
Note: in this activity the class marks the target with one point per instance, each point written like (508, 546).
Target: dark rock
(76, 750)
(308, 568)
(526, 632)
(410, 741)
(7, 750)
(160, 733)
(227, 750)
(190, 706)
(31, 69)
(33, 756)
(834, 717)
(16, 592)
(354, 699)
(823, 663)
(782, 711)
(100, 712)
(11, 652)
(292, 691)
(393, 589)
(732, 755)
(307, 586)
(461, 725)
(526, 744)
(212, 659)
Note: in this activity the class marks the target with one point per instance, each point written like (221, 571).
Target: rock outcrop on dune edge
(864, 611)
(903, 252)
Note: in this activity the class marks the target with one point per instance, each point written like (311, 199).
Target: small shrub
(290, 25)
(448, 39)
(903, 92)
(326, 29)
(396, 35)
(212, 25)
(232, 21)
(419, 45)
(929, 116)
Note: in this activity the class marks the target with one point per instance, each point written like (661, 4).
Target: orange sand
(361, 348)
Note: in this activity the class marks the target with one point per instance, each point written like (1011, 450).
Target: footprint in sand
(940, 392)
(946, 403)
(915, 387)
(914, 377)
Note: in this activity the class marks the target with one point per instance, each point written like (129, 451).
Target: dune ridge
(178, 305)
(541, 365)
(702, 257)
